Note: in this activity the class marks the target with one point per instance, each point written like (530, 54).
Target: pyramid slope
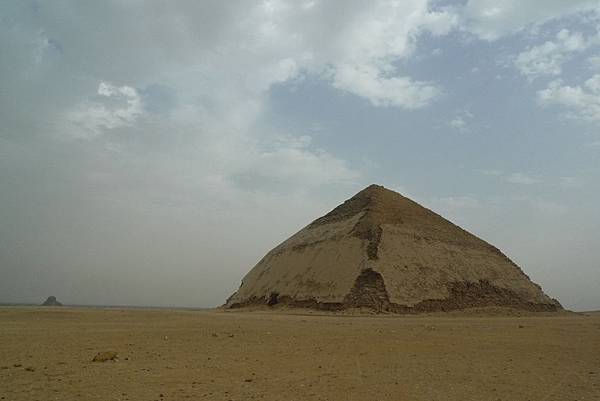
(382, 251)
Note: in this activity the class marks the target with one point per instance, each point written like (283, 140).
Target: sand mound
(382, 251)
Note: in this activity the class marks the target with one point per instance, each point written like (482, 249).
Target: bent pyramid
(382, 251)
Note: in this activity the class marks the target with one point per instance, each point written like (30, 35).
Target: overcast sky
(151, 152)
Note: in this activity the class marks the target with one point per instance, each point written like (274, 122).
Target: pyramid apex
(374, 188)
(375, 191)
(376, 194)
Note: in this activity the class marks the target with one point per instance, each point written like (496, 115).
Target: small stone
(30, 369)
(17, 365)
(105, 356)
(248, 380)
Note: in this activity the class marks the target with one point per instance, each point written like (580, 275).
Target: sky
(151, 152)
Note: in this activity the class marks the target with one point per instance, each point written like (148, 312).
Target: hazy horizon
(152, 152)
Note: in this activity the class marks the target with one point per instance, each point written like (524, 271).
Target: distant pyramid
(382, 251)
(51, 301)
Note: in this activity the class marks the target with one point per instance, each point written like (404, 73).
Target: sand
(46, 354)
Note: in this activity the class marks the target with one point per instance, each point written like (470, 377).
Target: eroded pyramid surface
(382, 251)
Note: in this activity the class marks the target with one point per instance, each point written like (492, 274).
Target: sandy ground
(46, 354)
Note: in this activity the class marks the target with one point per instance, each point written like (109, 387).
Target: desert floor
(46, 354)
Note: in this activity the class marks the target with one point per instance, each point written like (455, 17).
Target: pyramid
(381, 251)
(51, 301)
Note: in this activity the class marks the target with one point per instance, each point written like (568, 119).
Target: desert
(171, 354)
(300, 200)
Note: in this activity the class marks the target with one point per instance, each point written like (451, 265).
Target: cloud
(494, 173)
(362, 62)
(457, 122)
(221, 61)
(547, 206)
(581, 102)
(460, 122)
(369, 83)
(453, 203)
(205, 84)
(521, 178)
(288, 159)
(548, 58)
(113, 107)
(594, 63)
(198, 93)
(570, 182)
(492, 19)
(567, 182)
